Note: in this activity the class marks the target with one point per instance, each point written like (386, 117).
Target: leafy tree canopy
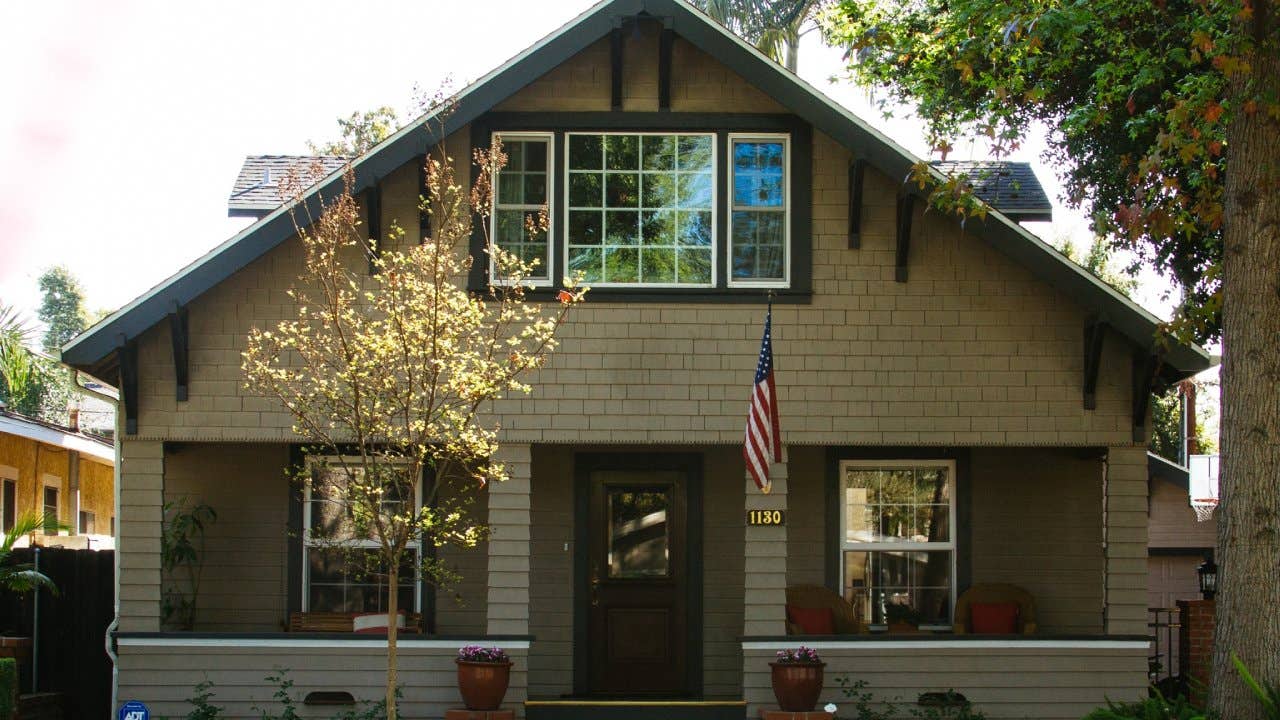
(61, 307)
(773, 26)
(360, 131)
(1131, 91)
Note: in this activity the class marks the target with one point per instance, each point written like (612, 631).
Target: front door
(637, 582)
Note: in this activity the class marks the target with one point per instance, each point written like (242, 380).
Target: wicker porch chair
(844, 620)
(996, 593)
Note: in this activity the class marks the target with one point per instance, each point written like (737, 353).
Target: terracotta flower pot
(483, 685)
(796, 686)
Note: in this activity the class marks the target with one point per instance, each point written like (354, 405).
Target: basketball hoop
(1204, 508)
(1203, 485)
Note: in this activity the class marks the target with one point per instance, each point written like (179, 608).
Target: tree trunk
(1248, 607)
(393, 632)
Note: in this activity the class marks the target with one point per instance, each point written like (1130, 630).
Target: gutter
(109, 638)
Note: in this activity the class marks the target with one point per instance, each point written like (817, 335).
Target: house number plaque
(767, 517)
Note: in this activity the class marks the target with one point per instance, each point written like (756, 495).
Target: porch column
(765, 579)
(139, 519)
(1126, 551)
(508, 600)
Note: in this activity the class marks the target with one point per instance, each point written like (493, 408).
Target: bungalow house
(59, 472)
(962, 407)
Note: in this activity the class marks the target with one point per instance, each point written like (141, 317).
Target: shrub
(8, 687)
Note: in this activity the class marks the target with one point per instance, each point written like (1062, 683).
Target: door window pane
(639, 535)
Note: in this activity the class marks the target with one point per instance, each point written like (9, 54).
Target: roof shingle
(257, 190)
(1010, 187)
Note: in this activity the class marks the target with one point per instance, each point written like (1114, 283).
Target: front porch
(1066, 524)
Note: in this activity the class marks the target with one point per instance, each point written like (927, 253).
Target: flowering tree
(386, 369)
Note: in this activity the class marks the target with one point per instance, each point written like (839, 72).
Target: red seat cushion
(993, 618)
(813, 621)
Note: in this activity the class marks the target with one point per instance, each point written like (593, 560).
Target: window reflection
(639, 534)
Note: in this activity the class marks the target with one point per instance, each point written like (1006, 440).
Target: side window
(759, 219)
(50, 509)
(8, 509)
(522, 191)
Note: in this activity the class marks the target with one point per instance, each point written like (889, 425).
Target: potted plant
(901, 618)
(483, 675)
(797, 679)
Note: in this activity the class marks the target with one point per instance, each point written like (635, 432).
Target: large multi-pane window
(523, 187)
(340, 568)
(897, 538)
(758, 236)
(641, 208)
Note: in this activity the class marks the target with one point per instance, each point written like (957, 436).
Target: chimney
(73, 419)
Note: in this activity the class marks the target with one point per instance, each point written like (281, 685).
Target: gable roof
(96, 349)
(1010, 187)
(258, 191)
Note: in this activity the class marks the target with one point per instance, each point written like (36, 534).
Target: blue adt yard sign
(134, 710)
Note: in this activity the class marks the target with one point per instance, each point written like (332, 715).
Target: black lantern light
(1208, 575)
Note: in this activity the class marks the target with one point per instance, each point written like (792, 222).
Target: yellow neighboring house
(57, 470)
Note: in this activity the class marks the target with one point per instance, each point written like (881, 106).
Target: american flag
(763, 441)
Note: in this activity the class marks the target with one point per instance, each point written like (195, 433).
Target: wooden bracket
(1146, 367)
(906, 208)
(373, 210)
(665, 42)
(179, 335)
(424, 201)
(128, 353)
(857, 171)
(1095, 330)
(615, 69)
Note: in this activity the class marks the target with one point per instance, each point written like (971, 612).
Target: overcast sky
(123, 122)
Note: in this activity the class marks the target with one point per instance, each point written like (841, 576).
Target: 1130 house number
(766, 517)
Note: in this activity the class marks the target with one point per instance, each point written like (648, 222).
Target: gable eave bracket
(424, 201)
(906, 207)
(665, 42)
(180, 335)
(373, 210)
(615, 69)
(857, 171)
(1146, 370)
(128, 350)
(1095, 330)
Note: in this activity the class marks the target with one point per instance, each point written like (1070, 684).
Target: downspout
(1106, 556)
(108, 639)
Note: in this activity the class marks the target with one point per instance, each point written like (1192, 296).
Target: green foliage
(1268, 694)
(61, 307)
(182, 560)
(1134, 94)
(8, 688)
(201, 708)
(24, 376)
(773, 26)
(288, 707)
(947, 705)
(1156, 707)
(23, 577)
(360, 131)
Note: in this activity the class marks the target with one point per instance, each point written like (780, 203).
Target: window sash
(949, 546)
(545, 278)
(309, 543)
(604, 208)
(784, 210)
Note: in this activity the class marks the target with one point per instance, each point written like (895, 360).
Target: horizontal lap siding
(164, 678)
(1035, 683)
(1173, 522)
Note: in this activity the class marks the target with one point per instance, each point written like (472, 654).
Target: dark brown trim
(1179, 551)
(310, 636)
(424, 201)
(129, 385)
(373, 219)
(665, 42)
(1095, 331)
(906, 209)
(857, 175)
(907, 639)
(179, 337)
(1146, 367)
(615, 69)
(293, 603)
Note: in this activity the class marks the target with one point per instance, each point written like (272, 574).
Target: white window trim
(49, 480)
(308, 543)
(715, 207)
(950, 545)
(549, 207)
(785, 138)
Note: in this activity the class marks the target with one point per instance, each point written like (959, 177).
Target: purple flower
(798, 656)
(475, 653)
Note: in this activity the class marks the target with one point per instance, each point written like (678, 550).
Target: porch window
(340, 572)
(523, 187)
(897, 541)
(641, 208)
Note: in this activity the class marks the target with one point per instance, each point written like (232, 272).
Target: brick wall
(1195, 644)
